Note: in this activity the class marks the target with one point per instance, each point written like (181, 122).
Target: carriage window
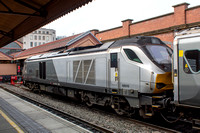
(193, 58)
(132, 56)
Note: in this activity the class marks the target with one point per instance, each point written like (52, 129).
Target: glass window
(193, 59)
(31, 37)
(39, 37)
(47, 38)
(31, 44)
(43, 38)
(35, 44)
(132, 56)
(156, 41)
(12, 45)
(35, 37)
(39, 32)
(160, 54)
(113, 60)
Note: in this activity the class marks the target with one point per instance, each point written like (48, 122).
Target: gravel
(103, 119)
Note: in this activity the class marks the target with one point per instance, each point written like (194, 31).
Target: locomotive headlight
(160, 85)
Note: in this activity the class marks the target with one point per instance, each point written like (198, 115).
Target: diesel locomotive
(132, 74)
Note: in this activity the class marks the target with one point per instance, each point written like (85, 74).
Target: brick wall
(193, 15)
(162, 26)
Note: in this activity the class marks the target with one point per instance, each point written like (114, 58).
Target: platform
(18, 116)
(5, 126)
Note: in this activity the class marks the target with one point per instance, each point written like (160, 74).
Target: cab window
(193, 59)
(132, 56)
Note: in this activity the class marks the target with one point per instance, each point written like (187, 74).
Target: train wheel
(30, 86)
(121, 106)
(119, 111)
(87, 101)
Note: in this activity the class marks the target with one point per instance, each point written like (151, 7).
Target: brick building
(163, 26)
(38, 37)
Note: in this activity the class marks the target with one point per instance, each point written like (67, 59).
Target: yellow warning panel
(180, 53)
(116, 74)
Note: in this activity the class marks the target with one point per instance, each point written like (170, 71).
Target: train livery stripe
(166, 79)
(11, 122)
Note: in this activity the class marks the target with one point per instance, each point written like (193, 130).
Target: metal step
(194, 127)
(158, 97)
(196, 124)
(149, 114)
(156, 106)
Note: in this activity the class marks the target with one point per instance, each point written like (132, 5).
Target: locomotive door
(113, 72)
(189, 71)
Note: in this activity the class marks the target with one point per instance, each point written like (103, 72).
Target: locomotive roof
(189, 31)
(136, 41)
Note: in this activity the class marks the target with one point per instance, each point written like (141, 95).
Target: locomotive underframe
(122, 104)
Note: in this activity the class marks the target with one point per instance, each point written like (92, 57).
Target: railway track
(78, 121)
(85, 124)
(141, 121)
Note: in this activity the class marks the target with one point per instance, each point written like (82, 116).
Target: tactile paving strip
(27, 123)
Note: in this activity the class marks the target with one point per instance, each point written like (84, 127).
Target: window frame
(185, 61)
(125, 54)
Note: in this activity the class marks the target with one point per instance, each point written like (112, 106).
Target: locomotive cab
(141, 71)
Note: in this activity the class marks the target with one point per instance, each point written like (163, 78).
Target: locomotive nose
(163, 82)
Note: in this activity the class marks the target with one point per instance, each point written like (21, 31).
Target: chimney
(126, 26)
(180, 13)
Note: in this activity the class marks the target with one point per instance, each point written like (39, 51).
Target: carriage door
(113, 73)
(189, 71)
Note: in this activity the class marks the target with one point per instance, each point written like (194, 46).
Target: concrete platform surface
(17, 115)
(5, 126)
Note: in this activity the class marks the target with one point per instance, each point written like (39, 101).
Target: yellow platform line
(11, 122)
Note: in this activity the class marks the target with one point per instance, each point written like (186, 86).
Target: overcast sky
(107, 14)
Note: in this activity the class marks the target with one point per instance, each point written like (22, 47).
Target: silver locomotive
(132, 74)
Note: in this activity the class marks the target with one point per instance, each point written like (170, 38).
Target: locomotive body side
(123, 77)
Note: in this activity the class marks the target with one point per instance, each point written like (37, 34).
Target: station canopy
(20, 17)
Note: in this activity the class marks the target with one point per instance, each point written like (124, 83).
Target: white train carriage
(187, 68)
